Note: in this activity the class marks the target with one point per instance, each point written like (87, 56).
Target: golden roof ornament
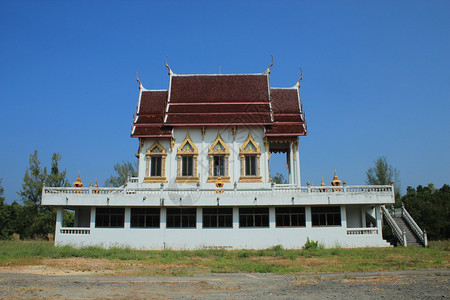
(78, 182)
(270, 66)
(323, 183)
(336, 181)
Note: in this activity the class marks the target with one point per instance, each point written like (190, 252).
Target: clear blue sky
(376, 78)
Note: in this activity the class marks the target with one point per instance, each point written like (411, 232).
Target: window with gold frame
(155, 170)
(219, 154)
(187, 154)
(250, 154)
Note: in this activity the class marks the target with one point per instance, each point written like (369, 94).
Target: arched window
(250, 154)
(156, 163)
(187, 161)
(218, 160)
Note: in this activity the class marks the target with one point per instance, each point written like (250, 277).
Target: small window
(156, 166)
(254, 217)
(217, 217)
(187, 154)
(145, 217)
(326, 216)
(219, 165)
(250, 154)
(109, 217)
(187, 166)
(250, 165)
(290, 216)
(156, 160)
(181, 218)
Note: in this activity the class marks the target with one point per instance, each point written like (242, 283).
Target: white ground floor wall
(351, 233)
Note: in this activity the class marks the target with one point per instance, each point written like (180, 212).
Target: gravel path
(419, 284)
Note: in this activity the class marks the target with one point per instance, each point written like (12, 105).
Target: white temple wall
(195, 133)
(228, 238)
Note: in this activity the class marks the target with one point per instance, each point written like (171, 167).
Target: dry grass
(42, 257)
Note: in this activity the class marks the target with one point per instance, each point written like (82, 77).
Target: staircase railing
(422, 235)
(398, 233)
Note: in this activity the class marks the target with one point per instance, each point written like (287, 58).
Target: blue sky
(376, 77)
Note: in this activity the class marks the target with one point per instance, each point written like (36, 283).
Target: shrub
(310, 244)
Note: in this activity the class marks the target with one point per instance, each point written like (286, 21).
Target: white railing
(275, 188)
(70, 230)
(398, 233)
(362, 231)
(422, 235)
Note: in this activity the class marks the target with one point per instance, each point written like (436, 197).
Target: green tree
(33, 181)
(56, 177)
(5, 218)
(279, 179)
(382, 173)
(123, 170)
(34, 220)
(430, 208)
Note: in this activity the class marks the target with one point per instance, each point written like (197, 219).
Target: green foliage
(123, 171)
(33, 220)
(382, 173)
(279, 179)
(310, 244)
(32, 182)
(430, 208)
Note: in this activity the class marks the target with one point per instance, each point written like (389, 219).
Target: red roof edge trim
(218, 124)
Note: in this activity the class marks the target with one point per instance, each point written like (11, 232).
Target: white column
(163, 218)
(199, 218)
(272, 221)
(344, 217)
(92, 225)
(363, 217)
(378, 217)
(308, 220)
(299, 182)
(59, 218)
(291, 164)
(127, 217)
(235, 218)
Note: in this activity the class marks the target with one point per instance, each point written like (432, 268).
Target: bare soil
(77, 278)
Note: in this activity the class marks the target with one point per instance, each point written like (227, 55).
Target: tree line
(429, 206)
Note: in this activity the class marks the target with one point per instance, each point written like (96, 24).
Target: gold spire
(335, 181)
(323, 183)
(78, 182)
(96, 184)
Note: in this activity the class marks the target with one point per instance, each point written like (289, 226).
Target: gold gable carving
(156, 149)
(213, 148)
(182, 148)
(244, 149)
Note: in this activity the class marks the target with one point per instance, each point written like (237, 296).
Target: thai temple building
(204, 181)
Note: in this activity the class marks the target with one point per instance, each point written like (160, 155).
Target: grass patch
(127, 261)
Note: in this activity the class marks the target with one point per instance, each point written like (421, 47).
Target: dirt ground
(99, 281)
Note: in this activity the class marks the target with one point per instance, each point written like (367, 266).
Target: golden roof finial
(297, 85)
(335, 181)
(138, 80)
(323, 183)
(96, 184)
(167, 66)
(270, 66)
(78, 182)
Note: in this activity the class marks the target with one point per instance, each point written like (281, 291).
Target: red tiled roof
(150, 115)
(151, 131)
(219, 100)
(287, 116)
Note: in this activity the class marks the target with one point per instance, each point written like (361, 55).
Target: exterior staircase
(405, 229)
